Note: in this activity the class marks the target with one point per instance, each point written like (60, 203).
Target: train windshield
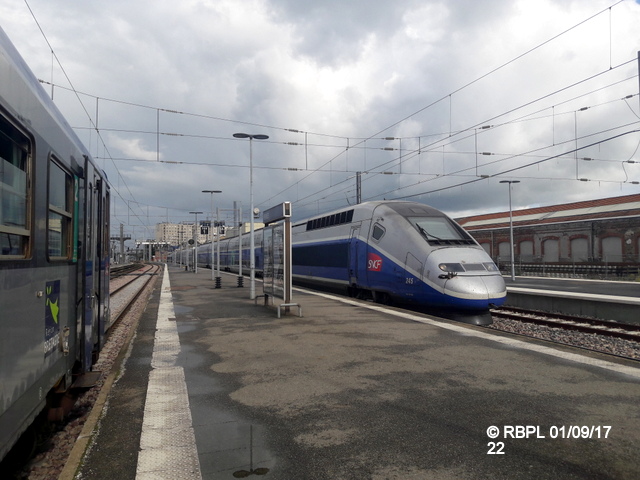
(441, 231)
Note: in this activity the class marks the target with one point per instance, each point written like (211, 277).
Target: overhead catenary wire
(359, 142)
(362, 140)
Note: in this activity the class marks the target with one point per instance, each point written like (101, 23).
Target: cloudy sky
(433, 101)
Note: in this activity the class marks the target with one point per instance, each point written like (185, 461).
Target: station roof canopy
(614, 207)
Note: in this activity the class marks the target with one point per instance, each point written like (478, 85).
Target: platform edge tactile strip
(167, 443)
(175, 462)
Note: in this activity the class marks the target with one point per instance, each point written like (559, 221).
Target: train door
(87, 277)
(354, 246)
(413, 267)
(103, 259)
(91, 263)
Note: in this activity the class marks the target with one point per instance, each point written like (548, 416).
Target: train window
(60, 221)
(15, 171)
(378, 232)
(441, 231)
(330, 220)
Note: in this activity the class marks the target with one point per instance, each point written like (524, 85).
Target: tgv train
(54, 253)
(389, 250)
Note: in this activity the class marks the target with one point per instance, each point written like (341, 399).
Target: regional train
(54, 254)
(398, 251)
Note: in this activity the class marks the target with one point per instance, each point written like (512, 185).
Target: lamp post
(214, 276)
(195, 243)
(513, 266)
(252, 259)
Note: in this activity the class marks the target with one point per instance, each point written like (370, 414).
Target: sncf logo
(374, 263)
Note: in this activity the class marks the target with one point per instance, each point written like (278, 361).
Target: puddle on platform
(181, 310)
(234, 450)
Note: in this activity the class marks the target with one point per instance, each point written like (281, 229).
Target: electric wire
(360, 142)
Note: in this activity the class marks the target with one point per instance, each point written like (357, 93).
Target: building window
(15, 171)
(526, 251)
(579, 250)
(612, 249)
(60, 222)
(551, 250)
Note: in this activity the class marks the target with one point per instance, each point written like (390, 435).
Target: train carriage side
(54, 261)
(330, 250)
(383, 250)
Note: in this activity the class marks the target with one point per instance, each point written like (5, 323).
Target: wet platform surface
(353, 390)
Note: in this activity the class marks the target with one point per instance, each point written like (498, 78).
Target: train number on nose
(374, 263)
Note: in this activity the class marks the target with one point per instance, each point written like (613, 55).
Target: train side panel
(331, 250)
(44, 231)
(403, 251)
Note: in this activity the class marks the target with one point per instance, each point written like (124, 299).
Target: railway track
(617, 339)
(608, 328)
(117, 271)
(125, 291)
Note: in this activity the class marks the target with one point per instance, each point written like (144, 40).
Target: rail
(121, 299)
(608, 328)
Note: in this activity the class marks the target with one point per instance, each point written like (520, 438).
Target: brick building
(601, 232)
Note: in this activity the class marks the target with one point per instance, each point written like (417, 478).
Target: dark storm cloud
(339, 72)
(333, 32)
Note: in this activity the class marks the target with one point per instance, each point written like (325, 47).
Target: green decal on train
(51, 320)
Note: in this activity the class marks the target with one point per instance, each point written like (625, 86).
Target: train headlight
(491, 267)
(451, 267)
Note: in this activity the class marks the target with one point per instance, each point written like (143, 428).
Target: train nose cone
(477, 291)
(496, 289)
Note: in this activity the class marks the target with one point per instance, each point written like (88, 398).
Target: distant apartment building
(175, 234)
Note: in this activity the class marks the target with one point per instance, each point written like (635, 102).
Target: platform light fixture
(252, 259)
(195, 243)
(214, 276)
(513, 265)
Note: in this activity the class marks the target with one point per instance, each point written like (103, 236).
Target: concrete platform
(608, 300)
(353, 390)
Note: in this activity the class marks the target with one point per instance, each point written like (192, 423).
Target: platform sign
(279, 212)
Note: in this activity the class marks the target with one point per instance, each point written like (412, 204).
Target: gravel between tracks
(48, 464)
(591, 341)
